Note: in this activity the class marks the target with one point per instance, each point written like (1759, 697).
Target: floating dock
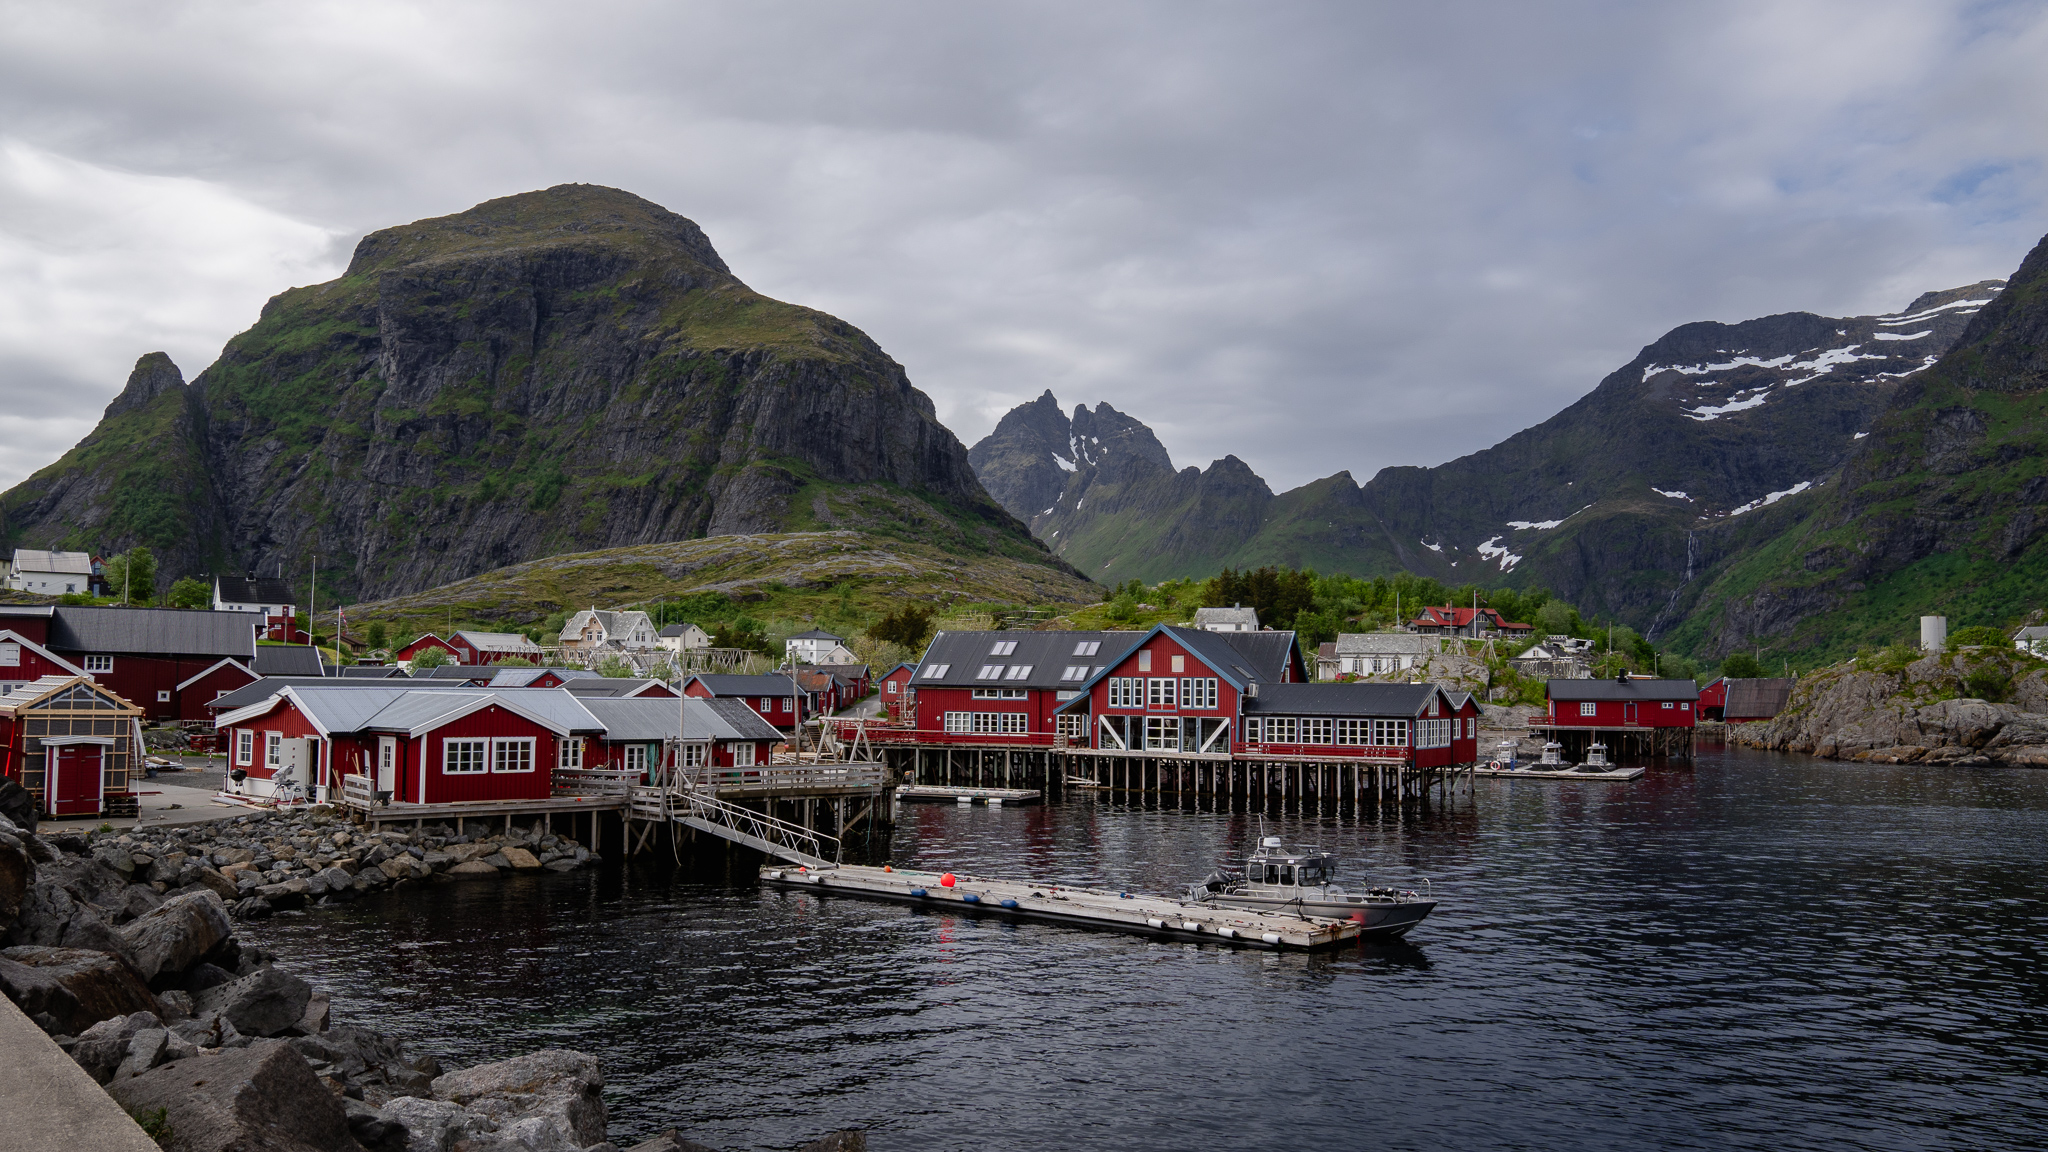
(1156, 916)
(1567, 774)
(993, 797)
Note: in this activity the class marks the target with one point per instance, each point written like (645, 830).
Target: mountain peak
(566, 215)
(154, 375)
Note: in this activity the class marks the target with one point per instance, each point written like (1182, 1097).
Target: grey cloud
(1318, 236)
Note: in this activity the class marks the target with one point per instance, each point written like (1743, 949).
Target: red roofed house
(1473, 622)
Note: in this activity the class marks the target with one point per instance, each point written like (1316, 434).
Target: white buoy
(1271, 937)
(995, 801)
(963, 799)
(1192, 925)
(1153, 923)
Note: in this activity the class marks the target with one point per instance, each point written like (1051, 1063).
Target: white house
(1236, 618)
(811, 647)
(591, 629)
(1375, 654)
(681, 638)
(50, 573)
(271, 598)
(2034, 640)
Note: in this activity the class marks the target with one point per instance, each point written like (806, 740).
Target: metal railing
(761, 832)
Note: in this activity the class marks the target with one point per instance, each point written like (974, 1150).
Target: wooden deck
(993, 796)
(1156, 916)
(1543, 774)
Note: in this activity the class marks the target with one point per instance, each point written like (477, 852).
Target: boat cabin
(1274, 865)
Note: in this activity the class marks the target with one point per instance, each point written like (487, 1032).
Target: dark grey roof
(255, 590)
(264, 689)
(814, 634)
(1624, 690)
(697, 719)
(154, 632)
(722, 684)
(1354, 699)
(1757, 697)
(1269, 652)
(481, 672)
(43, 610)
(613, 686)
(1049, 654)
(743, 720)
(369, 672)
(287, 660)
(677, 629)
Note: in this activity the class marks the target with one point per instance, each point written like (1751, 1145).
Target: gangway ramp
(765, 834)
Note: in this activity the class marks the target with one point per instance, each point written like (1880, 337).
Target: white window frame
(10, 655)
(163, 696)
(1589, 708)
(1162, 692)
(508, 753)
(742, 753)
(1198, 692)
(990, 672)
(472, 749)
(98, 664)
(1162, 733)
(1087, 647)
(1003, 648)
(1316, 730)
(1280, 729)
(1074, 672)
(1072, 725)
(694, 755)
(936, 671)
(273, 750)
(245, 747)
(959, 721)
(1390, 733)
(569, 753)
(1668, 705)
(1124, 692)
(634, 758)
(888, 687)
(1145, 660)
(1019, 672)
(1354, 732)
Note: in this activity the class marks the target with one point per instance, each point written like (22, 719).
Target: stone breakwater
(123, 949)
(1933, 710)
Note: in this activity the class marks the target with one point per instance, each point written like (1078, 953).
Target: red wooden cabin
(70, 742)
(898, 700)
(1624, 702)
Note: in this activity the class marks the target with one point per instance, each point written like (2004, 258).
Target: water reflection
(1755, 952)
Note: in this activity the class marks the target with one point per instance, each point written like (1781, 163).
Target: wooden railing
(595, 781)
(778, 777)
(357, 793)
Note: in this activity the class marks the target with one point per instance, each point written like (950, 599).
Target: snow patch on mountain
(1772, 498)
(1900, 336)
(1524, 525)
(1672, 495)
(1492, 550)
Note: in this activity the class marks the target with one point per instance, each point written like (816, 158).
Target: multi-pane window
(1198, 692)
(512, 754)
(694, 755)
(1390, 733)
(1589, 709)
(1071, 724)
(1315, 730)
(1354, 731)
(1075, 672)
(959, 721)
(936, 671)
(99, 663)
(1002, 723)
(462, 757)
(245, 746)
(569, 753)
(742, 755)
(1159, 692)
(990, 672)
(1162, 733)
(1002, 694)
(1087, 647)
(1003, 648)
(1279, 729)
(1123, 692)
(888, 687)
(1019, 672)
(636, 757)
(273, 749)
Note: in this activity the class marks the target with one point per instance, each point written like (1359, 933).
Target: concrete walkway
(50, 1103)
(173, 798)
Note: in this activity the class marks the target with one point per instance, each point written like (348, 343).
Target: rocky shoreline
(122, 948)
(1975, 707)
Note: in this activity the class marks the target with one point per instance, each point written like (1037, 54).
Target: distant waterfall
(1692, 551)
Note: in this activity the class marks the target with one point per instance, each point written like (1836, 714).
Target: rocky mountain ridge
(1620, 503)
(552, 372)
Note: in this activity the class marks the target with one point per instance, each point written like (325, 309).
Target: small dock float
(1156, 916)
(1567, 774)
(993, 797)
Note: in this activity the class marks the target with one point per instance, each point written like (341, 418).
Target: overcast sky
(1318, 236)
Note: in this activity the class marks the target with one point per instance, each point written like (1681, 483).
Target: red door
(1628, 713)
(75, 777)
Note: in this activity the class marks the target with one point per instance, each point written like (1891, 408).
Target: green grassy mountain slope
(552, 372)
(1940, 511)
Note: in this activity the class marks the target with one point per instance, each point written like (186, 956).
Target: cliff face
(1631, 501)
(556, 371)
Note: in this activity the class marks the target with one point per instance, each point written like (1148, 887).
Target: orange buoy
(886, 868)
(946, 881)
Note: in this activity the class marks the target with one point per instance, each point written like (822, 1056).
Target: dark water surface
(1759, 952)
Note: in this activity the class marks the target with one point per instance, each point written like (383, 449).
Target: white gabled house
(591, 629)
(50, 573)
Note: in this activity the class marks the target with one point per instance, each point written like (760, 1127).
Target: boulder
(519, 858)
(17, 872)
(104, 1047)
(472, 868)
(74, 986)
(177, 933)
(551, 1095)
(220, 884)
(262, 1098)
(375, 1131)
(263, 1003)
(18, 805)
(1965, 722)
(432, 1125)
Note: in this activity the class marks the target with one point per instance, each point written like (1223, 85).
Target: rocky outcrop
(1916, 713)
(558, 371)
(71, 989)
(260, 1097)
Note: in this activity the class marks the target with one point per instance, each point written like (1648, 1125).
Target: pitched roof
(1244, 617)
(369, 672)
(2036, 632)
(14, 697)
(1386, 644)
(153, 631)
(679, 630)
(1757, 696)
(62, 563)
(1633, 689)
(253, 590)
(499, 642)
(691, 718)
(10, 636)
(1331, 699)
(287, 660)
(269, 686)
(1270, 653)
(502, 677)
(1460, 617)
(814, 634)
(615, 686)
(1048, 655)
(223, 662)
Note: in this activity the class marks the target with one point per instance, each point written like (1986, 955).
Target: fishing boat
(1303, 883)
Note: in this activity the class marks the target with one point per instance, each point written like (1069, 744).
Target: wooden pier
(1631, 743)
(995, 797)
(1156, 916)
(1543, 774)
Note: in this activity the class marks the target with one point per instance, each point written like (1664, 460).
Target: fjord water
(1752, 952)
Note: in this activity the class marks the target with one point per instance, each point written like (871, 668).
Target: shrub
(1978, 636)
(431, 658)
(1741, 666)
(908, 626)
